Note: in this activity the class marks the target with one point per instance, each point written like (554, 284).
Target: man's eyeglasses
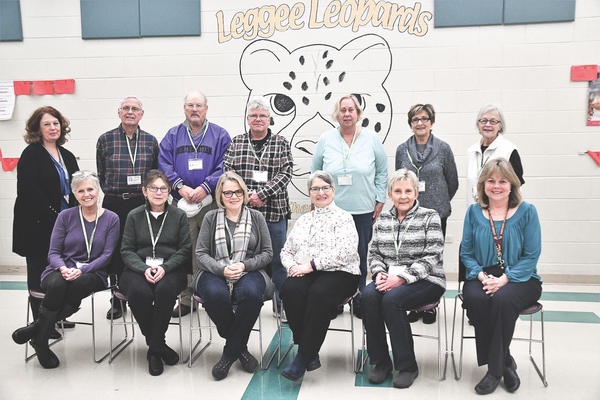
(229, 193)
(423, 120)
(316, 190)
(132, 109)
(155, 189)
(256, 116)
(191, 106)
(484, 121)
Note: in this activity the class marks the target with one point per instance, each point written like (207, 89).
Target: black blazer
(38, 199)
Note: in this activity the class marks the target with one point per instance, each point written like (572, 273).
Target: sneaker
(429, 317)
(221, 369)
(249, 362)
(380, 372)
(413, 316)
(404, 379)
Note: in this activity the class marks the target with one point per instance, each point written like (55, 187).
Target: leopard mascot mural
(303, 85)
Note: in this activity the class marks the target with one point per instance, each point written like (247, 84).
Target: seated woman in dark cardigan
(233, 250)
(156, 247)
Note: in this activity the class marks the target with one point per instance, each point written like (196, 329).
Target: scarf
(239, 240)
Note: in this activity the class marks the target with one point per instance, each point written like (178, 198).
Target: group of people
(225, 234)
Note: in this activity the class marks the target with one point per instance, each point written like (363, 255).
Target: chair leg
(114, 351)
(193, 356)
(541, 341)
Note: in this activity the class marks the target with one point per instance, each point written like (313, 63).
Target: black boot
(26, 333)
(46, 322)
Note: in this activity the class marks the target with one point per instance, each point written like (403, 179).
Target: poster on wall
(7, 100)
(594, 103)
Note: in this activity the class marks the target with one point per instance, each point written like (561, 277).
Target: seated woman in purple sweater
(82, 242)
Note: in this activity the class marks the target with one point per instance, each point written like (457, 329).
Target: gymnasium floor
(572, 328)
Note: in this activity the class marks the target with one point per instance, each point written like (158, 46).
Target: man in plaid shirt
(264, 160)
(124, 156)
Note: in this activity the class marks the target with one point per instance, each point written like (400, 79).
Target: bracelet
(312, 264)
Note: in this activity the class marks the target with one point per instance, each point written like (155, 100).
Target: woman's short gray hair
(258, 103)
(492, 107)
(325, 176)
(81, 176)
(403, 174)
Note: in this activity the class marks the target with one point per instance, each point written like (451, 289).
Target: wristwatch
(179, 186)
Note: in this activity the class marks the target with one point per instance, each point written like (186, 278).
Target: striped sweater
(421, 250)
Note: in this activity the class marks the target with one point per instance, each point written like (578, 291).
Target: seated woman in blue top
(82, 241)
(155, 249)
(500, 229)
(233, 250)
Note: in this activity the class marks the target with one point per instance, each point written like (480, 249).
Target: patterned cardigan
(420, 255)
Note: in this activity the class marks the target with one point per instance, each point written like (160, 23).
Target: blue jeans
(389, 308)
(234, 327)
(278, 233)
(364, 227)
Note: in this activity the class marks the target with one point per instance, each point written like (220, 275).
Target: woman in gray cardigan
(233, 250)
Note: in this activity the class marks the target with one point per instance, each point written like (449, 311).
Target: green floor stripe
(566, 316)
(362, 378)
(269, 383)
(570, 296)
(13, 285)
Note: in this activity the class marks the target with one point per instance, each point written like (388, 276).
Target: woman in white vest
(491, 125)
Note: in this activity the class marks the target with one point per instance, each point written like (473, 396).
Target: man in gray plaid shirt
(264, 160)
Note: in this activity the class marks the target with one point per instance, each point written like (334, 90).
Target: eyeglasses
(423, 120)
(191, 106)
(85, 174)
(132, 109)
(256, 116)
(316, 189)
(155, 189)
(484, 121)
(229, 193)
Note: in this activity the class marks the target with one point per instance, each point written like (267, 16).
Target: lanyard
(88, 244)
(264, 151)
(152, 239)
(231, 251)
(497, 238)
(414, 166)
(201, 139)
(398, 241)
(133, 156)
(347, 154)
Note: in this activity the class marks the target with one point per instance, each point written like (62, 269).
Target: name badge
(395, 270)
(195, 164)
(154, 262)
(345, 180)
(80, 265)
(134, 179)
(260, 176)
(421, 186)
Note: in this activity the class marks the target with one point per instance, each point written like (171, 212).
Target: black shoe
(313, 364)
(488, 384)
(221, 369)
(429, 317)
(297, 368)
(116, 311)
(340, 309)
(185, 310)
(380, 372)
(511, 379)
(249, 362)
(54, 334)
(25, 334)
(413, 316)
(404, 379)
(169, 356)
(45, 356)
(65, 324)
(155, 363)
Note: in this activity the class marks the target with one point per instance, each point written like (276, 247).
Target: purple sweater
(67, 244)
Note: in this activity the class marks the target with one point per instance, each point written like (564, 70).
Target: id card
(195, 164)
(80, 264)
(395, 270)
(260, 176)
(421, 186)
(345, 180)
(134, 179)
(154, 262)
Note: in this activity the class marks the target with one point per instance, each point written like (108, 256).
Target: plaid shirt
(278, 162)
(114, 164)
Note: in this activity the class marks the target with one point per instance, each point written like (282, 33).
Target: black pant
(121, 208)
(494, 318)
(309, 303)
(60, 292)
(152, 304)
(36, 264)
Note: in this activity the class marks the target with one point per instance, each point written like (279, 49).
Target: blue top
(365, 162)
(521, 244)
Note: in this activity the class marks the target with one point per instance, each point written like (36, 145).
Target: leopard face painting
(303, 85)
